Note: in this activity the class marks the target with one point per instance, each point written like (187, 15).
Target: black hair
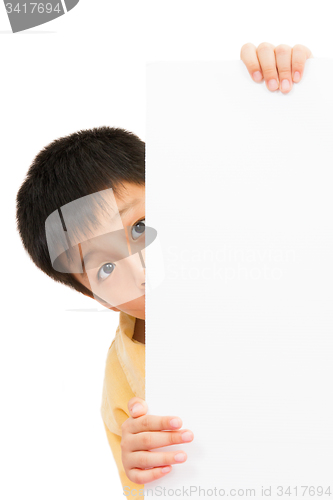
(69, 168)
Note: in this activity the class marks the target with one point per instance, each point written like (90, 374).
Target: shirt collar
(131, 354)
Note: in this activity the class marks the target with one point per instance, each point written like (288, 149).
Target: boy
(63, 214)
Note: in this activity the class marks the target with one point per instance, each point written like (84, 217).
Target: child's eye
(105, 271)
(139, 228)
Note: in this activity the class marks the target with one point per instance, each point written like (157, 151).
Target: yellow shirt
(124, 379)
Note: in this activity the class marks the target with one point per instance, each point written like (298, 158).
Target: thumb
(137, 407)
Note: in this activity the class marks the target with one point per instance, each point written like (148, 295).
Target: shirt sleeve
(130, 490)
(114, 410)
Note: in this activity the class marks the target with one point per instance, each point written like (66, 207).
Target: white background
(87, 69)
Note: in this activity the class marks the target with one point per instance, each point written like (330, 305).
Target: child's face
(118, 281)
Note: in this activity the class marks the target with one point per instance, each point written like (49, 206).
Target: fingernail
(257, 76)
(297, 76)
(137, 408)
(175, 422)
(187, 436)
(180, 457)
(273, 85)
(285, 85)
(166, 469)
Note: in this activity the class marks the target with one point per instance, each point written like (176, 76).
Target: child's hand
(142, 433)
(280, 65)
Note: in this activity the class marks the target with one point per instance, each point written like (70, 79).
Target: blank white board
(239, 334)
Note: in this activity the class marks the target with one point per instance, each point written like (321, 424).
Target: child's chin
(135, 307)
(138, 313)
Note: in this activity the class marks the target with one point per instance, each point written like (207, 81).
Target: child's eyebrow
(126, 208)
(85, 258)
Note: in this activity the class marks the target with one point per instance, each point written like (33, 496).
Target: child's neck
(139, 330)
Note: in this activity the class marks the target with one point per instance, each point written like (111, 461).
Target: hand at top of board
(280, 66)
